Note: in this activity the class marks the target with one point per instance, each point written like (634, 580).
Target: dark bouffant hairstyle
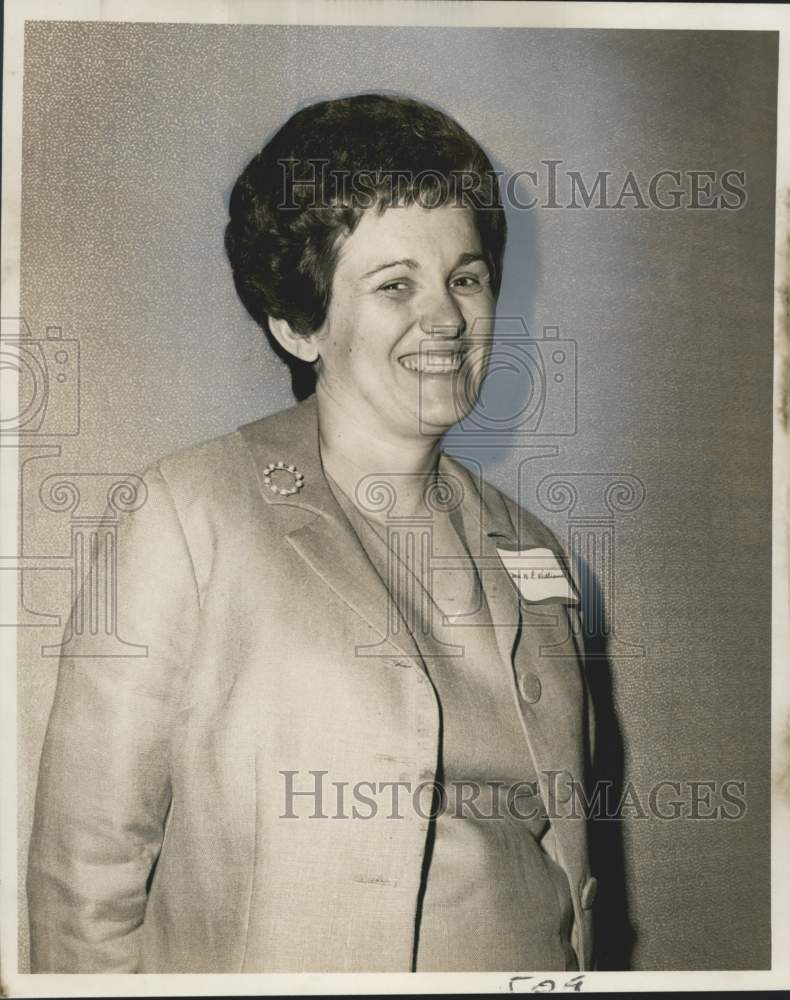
(311, 183)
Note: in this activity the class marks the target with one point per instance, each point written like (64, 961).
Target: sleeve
(104, 784)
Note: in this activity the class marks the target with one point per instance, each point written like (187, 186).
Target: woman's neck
(383, 474)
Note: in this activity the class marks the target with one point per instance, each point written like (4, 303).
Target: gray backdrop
(133, 135)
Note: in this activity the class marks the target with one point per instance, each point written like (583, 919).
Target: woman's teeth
(432, 362)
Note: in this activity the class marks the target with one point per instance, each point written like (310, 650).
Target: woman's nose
(441, 317)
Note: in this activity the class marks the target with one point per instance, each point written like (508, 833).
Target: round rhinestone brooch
(284, 491)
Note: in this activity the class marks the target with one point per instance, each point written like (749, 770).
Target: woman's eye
(467, 282)
(396, 285)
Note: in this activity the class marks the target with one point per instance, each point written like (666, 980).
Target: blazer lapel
(326, 541)
(488, 526)
(486, 520)
(536, 639)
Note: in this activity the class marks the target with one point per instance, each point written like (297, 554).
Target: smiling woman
(397, 334)
(326, 599)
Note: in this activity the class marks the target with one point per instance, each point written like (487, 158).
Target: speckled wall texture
(133, 136)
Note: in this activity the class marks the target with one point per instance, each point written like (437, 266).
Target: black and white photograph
(394, 442)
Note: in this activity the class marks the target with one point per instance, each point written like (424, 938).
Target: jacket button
(529, 686)
(589, 890)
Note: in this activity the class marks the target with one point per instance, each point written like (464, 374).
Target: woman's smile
(433, 362)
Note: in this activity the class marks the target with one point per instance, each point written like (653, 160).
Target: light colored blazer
(252, 607)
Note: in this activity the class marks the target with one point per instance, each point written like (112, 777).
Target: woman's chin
(439, 415)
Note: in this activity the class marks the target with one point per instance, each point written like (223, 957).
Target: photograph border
(708, 17)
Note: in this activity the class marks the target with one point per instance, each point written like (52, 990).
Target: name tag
(538, 575)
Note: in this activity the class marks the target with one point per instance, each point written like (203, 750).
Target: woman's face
(406, 339)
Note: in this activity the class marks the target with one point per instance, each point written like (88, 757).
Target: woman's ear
(299, 344)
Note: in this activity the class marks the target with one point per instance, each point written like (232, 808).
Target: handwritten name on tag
(538, 575)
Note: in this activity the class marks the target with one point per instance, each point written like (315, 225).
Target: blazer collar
(325, 541)
(329, 545)
(487, 524)
(291, 436)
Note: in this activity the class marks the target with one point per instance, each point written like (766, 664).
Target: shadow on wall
(615, 935)
(511, 397)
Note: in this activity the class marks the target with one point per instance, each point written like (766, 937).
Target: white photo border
(702, 16)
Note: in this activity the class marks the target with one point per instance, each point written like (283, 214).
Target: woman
(352, 744)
